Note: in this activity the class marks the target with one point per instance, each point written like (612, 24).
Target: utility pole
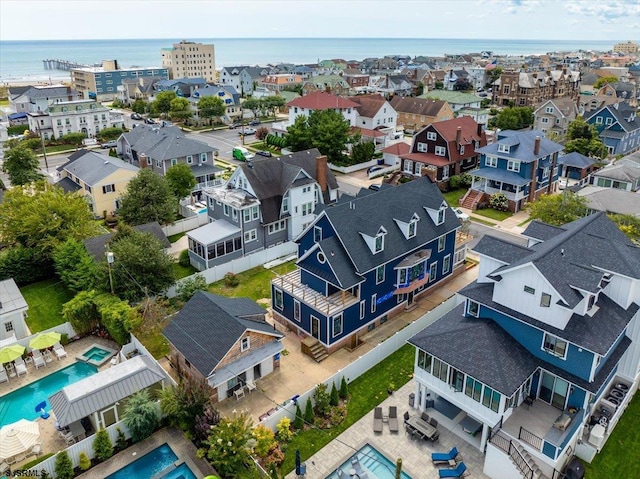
(44, 149)
(110, 260)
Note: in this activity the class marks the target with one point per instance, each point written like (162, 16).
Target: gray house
(160, 147)
(265, 202)
(13, 310)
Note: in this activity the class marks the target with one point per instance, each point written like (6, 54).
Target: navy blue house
(364, 259)
(618, 126)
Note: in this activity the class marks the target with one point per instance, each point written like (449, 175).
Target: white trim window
(374, 298)
(473, 308)
(446, 264)
(418, 169)
(413, 227)
(545, 300)
(491, 161)
(317, 234)
(203, 157)
(502, 148)
(277, 226)
(189, 160)
(554, 345)
(363, 309)
(245, 344)
(422, 147)
(513, 165)
(408, 166)
(278, 298)
(380, 274)
(336, 325)
(431, 136)
(296, 310)
(442, 241)
(379, 243)
(251, 235)
(441, 151)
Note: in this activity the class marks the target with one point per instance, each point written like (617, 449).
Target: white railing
(207, 184)
(364, 362)
(244, 263)
(86, 446)
(479, 186)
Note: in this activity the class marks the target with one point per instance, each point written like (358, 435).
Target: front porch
(327, 305)
(512, 192)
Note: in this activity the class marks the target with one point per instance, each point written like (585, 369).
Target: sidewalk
(511, 224)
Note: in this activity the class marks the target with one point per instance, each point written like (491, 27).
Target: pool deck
(415, 454)
(52, 442)
(184, 449)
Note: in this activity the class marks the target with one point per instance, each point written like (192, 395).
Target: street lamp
(110, 260)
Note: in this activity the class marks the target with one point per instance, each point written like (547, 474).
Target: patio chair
(445, 457)
(59, 350)
(5, 469)
(21, 367)
(251, 386)
(425, 417)
(38, 360)
(459, 471)
(406, 416)
(3, 377)
(36, 449)
(393, 419)
(433, 422)
(377, 420)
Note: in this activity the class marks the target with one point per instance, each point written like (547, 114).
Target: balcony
(537, 427)
(327, 305)
(208, 183)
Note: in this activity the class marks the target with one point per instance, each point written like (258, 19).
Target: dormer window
(413, 224)
(440, 217)
(379, 243)
(504, 148)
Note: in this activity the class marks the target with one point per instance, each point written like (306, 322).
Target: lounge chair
(445, 457)
(459, 471)
(59, 350)
(3, 377)
(21, 367)
(393, 419)
(377, 420)
(38, 360)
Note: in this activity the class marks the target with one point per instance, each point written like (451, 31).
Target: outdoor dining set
(43, 347)
(421, 427)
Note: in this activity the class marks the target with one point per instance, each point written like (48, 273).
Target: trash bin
(412, 398)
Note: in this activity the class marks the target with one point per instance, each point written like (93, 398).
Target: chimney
(536, 146)
(321, 172)
(479, 130)
(143, 160)
(458, 135)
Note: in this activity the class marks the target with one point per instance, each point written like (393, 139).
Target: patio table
(426, 429)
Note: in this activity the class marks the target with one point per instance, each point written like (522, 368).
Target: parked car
(462, 216)
(235, 125)
(136, 116)
(374, 187)
(254, 122)
(109, 144)
(149, 121)
(264, 153)
(372, 169)
(247, 130)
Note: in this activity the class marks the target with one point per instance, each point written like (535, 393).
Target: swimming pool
(154, 463)
(21, 403)
(373, 462)
(97, 355)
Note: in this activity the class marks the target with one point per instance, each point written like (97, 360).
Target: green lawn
(494, 214)
(254, 284)
(484, 222)
(617, 457)
(45, 300)
(366, 392)
(175, 237)
(183, 271)
(452, 197)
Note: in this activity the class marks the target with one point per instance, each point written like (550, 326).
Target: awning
(18, 116)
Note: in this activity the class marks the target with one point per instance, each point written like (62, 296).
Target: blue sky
(499, 19)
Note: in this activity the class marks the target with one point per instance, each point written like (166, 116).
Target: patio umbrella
(18, 437)
(10, 353)
(44, 340)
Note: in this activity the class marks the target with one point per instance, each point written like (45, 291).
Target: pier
(65, 65)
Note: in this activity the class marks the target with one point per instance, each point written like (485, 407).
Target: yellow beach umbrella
(44, 340)
(11, 353)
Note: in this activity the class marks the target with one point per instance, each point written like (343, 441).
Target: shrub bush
(333, 398)
(121, 440)
(284, 433)
(499, 201)
(183, 259)
(265, 440)
(231, 280)
(188, 287)
(298, 421)
(454, 182)
(17, 129)
(102, 447)
(308, 412)
(344, 389)
(322, 400)
(63, 466)
(24, 265)
(84, 462)
(465, 180)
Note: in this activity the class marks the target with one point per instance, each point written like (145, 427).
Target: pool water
(96, 354)
(150, 464)
(373, 462)
(180, 472)
(21, 403)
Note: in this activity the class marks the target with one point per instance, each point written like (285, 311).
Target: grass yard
(616, 459)
(45, 300)
(494, 214)
(175, 237)
(183, 271)
(254, 284)
(452, 197)
(483, 222)
(366, 392)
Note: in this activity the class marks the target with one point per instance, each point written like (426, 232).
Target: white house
(13, 310)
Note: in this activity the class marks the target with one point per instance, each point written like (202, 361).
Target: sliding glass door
(554, 390)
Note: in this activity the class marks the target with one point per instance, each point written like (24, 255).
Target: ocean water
(22, 60)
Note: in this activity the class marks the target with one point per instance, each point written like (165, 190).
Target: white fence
(86, 446)
(186, 224)
(364, 362)
(239, 265)
(64, 328)
(352, 168)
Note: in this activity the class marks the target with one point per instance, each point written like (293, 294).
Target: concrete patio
(415, 454)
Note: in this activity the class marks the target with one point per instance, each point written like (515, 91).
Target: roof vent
(106, 162)
(562, 252)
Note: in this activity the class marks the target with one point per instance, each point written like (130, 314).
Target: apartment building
(190, 60)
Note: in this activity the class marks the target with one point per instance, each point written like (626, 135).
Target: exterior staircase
(471, 199)
(537, 473)
(312, 347)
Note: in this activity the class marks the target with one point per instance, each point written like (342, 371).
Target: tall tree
(141, 267)
(515, 118)
(211, 107)
(605, 80)
(22, 166)
(180, 109)
(148, 198)
(141, 415)
(41, 216)
(583, 138)
(329, 133)
(253, 104)
(273, 104)
(162, 103)
(181, 181)
(76, 268)
(558, 209)
(140, 106)
(299, 135)
(230, 444)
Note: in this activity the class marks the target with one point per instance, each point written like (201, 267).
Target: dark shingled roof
(482, 349)
(500, 249)
(208, 326)
(576, 160)
(596, 333)
(522, 145)
(344, 276)
(371, 212)
(68, 185)
(96, 246)
(542, 231)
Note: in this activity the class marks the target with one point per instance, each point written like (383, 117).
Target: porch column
(416, 399)
(485, 434)
(423, 399)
